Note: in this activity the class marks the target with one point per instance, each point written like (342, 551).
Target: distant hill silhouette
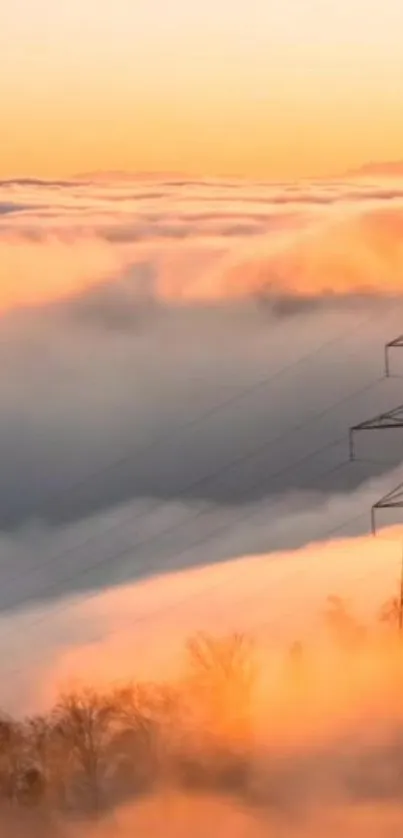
(385, 169)
(102, 176)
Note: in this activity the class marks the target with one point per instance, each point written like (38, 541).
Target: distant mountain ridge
(392, 168)
(126, 176)
(385, 169)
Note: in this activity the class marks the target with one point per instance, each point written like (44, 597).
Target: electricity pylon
(392, 419)
(389, 420)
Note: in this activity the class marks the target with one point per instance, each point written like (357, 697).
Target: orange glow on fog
(348, 250)
(34, 273)
(123, 621)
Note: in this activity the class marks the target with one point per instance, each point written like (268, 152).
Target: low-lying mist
(246, 739)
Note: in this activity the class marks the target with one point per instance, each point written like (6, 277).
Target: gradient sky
(277, 88)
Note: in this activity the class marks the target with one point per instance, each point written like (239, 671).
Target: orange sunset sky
(262, 88)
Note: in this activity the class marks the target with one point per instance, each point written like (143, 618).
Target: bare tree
(82, 723)
(11, 740)
(142, 720)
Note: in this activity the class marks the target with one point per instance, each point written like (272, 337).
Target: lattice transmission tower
(389, 420)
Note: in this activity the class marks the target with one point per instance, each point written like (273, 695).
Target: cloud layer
(201, 240)
(181, 362)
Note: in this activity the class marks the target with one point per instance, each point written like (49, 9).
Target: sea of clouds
(180, 364)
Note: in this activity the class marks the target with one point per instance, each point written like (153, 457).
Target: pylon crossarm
(392, 344)
(385, 421)
(396, 342)
(389, 419)
(392, 498)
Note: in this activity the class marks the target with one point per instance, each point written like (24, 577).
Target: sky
(257, 88)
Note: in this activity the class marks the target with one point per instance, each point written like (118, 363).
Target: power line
(184, 600)
(230, 401)
(222, 528)
(198, 483)
(172, 528)
(190, 519)
(243, 458)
